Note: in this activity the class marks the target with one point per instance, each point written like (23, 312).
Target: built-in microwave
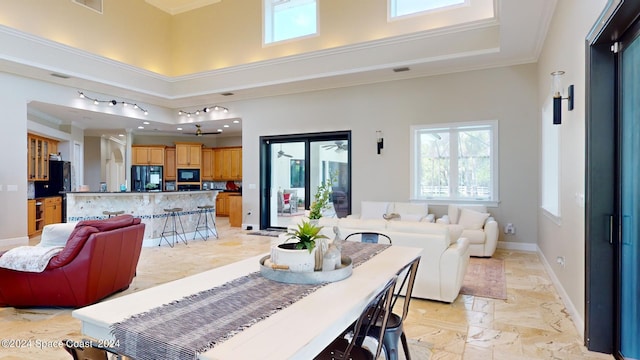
(188, 175)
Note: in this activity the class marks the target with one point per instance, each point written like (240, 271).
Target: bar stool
(173, 229)
(207, 211)
(113, 213)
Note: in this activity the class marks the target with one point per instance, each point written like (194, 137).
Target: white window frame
(394, 4)
(494, 200)
(268, 20)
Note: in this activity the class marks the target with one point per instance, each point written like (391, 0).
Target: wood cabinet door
(235, 211)
(207, 164)
(52, 210)
(139, 155)
(195, 155)
(38, 150)
(31, 216)
(156, 156)
(222, 204)
(169, 171)
(188, 155)
(217, 164)
(226, 164)
(236, 163)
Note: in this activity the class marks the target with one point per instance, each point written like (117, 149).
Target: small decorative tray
(313, 277)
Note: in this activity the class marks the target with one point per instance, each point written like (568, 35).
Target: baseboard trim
(517, 246)
(578, 321)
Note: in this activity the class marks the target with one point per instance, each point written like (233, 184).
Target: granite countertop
(135, 192)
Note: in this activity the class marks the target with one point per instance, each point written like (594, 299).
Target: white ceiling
(514, 36)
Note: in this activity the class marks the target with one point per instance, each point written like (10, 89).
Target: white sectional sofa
(474, 223)
(443, 263)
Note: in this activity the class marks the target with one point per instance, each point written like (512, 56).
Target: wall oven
(188, 175)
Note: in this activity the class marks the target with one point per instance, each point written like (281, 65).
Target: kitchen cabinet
(222, 204)
(235, 210)
(147, 155)
(42, 212)
(227, 164)
(207, 164)
(52, 210)
(169, 171)
(188, 155)
(31, 217)
(38, 151)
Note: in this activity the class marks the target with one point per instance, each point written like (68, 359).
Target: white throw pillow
(472, 220)
(373, 209)
(411, 211)
(411, 217)
(56, 234)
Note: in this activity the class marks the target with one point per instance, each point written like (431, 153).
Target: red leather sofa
(99, 259)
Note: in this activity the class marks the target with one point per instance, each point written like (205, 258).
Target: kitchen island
(148, 206)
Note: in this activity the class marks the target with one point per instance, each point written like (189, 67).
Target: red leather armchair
(99, 259)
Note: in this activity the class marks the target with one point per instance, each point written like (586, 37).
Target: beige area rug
(485, 277)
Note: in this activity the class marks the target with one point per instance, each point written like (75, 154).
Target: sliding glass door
(293, 166)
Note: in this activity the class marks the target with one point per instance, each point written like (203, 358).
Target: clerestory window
(289, 19)
(398, 8)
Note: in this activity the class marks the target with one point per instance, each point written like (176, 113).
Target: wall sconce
(557, 96)
(379, 140)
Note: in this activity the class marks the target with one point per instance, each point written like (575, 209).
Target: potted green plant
(305, 236)
(302, 255)
(322, 200)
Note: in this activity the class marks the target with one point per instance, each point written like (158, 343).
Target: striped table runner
(195, 324)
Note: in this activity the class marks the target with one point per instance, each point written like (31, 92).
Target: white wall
(505, 94)
(564, 49)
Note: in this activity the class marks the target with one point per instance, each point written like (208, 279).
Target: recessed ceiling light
(236, 121)
(146, 122)
(226, 126)
(179, 129)
(140, 127)
(121, 135)
(219, 130)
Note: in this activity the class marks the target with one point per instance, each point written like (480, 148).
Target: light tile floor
(531, 324)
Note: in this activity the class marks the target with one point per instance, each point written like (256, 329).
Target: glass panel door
(288, 186)
(293, 166)
(629, 279)
(330, 163)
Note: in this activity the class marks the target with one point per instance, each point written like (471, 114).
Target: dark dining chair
(373, 318)
(370, 237)
(394, 331)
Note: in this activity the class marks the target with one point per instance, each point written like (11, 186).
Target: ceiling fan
(199, 131)
(282, 153)
(338, 145)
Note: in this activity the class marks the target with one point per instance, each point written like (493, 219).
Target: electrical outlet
(510, 229)
(560, 260)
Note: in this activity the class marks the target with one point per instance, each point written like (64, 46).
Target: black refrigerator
(146, 178)
(59, 183)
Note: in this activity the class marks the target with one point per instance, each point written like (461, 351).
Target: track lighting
(111, 102)
(206, 109)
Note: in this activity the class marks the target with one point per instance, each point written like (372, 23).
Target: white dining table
(299, 331)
